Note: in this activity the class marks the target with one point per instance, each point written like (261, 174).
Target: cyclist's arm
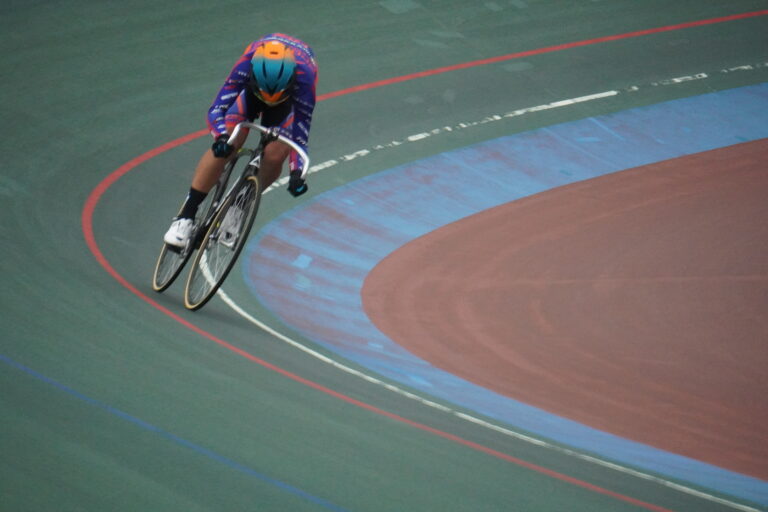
(303, 107)
(227, 95)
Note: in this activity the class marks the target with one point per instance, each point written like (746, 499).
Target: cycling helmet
(274, 71)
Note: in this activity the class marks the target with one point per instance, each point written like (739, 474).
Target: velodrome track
(116, 398)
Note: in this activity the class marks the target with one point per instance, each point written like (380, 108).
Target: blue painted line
(173, 438)
(362, 222)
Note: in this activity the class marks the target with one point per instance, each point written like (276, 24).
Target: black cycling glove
(220, 148)
(296, 185)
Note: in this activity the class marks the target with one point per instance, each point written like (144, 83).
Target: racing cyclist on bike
(275, 78)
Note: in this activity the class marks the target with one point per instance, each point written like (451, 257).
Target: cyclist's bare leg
(272, 162)
(209, 168)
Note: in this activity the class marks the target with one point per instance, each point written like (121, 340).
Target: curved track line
(96, 194)
(87, 224)
(548, 49)
(484, 423)
(480, 422)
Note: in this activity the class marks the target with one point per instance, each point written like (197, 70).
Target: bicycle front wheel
(222, 244)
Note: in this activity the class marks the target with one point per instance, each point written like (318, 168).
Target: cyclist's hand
(296, 185)
(220, 148)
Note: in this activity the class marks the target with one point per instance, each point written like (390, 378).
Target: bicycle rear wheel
(222, 244)
(168, 267)
(171, 260)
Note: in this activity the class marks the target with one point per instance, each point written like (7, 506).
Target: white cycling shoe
(179, 232)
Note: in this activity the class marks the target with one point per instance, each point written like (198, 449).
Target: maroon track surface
(636, 303)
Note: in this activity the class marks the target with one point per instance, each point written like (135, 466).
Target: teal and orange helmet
(274, 72)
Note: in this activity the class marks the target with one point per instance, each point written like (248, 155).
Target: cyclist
(275, 78)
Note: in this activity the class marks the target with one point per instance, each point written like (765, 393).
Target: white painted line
(466, 417)
(232, 304)
(477, 421)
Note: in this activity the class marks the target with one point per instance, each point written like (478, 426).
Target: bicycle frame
(272, 134)
(267, 135)
(172, 259)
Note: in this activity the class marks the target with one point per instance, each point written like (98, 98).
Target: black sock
(194, 198)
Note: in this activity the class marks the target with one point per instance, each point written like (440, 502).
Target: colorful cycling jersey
(302, 94)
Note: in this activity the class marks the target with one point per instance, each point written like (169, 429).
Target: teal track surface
(115, 398)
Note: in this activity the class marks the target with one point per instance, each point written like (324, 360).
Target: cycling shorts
(248, 107)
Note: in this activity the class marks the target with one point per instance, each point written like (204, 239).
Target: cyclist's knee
(276, 153)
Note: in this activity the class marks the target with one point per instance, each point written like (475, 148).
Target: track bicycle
(220, 232)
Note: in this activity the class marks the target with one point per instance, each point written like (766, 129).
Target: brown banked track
(635, 303)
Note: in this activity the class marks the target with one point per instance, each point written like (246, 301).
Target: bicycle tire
(218, 253)
(170, 262)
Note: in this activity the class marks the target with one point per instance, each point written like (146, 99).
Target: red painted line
(103, 186)
(87, 224)
(540, 51)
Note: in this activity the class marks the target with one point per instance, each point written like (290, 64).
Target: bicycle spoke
(222, 244)
(171, 260)
(168, 266)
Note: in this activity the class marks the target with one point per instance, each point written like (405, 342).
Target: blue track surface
(331, 243)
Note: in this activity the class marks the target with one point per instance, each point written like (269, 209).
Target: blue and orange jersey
(302, 95)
